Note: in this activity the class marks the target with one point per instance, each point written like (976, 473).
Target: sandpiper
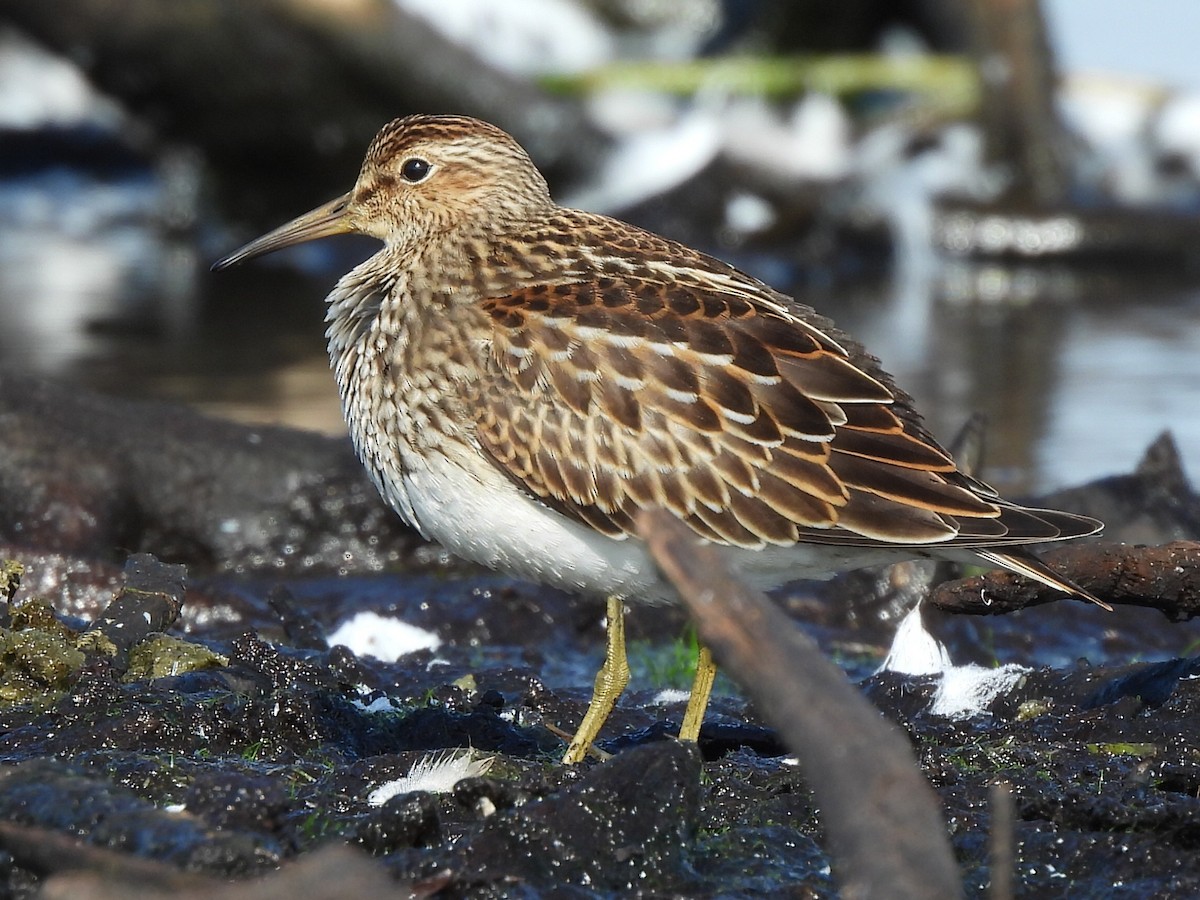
(520, 379)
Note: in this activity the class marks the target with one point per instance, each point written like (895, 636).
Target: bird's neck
(403, 341)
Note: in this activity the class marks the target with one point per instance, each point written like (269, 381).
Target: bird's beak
(322, 222)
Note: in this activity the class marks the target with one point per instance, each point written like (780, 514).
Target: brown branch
(1166, 578)
(44, 851)
(884, 822)
(78, 870)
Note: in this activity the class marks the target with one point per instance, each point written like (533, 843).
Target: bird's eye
(415, 169)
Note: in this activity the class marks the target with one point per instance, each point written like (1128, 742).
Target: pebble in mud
(406, 820)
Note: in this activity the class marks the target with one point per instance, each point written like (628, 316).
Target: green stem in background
(947, 81)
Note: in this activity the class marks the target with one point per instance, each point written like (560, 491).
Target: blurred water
(1074, 387)
(1074, 384)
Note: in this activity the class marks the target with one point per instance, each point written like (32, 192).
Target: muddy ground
(238, 754)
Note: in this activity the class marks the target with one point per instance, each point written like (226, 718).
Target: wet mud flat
(184, 728)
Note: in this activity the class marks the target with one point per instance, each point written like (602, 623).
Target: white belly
(482, 516)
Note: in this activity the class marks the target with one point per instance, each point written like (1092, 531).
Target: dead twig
(886, 833)
(1166, 578)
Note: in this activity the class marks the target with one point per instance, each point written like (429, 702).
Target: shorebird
(520, 379)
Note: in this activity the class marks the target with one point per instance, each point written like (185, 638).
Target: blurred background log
(290, 91)
(1019, 114)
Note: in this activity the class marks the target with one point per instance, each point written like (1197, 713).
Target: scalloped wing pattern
(618, 393)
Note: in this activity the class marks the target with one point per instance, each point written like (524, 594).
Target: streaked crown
(426, 175)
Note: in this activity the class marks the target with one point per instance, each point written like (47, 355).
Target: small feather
(619, 405)
(708, 489)
(794, 504)
(889, 522)
(896, 449)
(611, 524)
(672, 374)
(752, 356)
(642, 488)
(728, 392)
(762, 430)
(725, 525)
(708, 339)
(674, 496)
(735, 471)
(577, 481)
(782, 336)
(794, 412)
(698, 414)
(911, 486)
(551, 475)
(572, 390)
(827, 376)
(763, 521)
(814, 478)
(871, 417)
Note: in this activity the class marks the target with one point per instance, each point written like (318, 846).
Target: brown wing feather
(742, 417)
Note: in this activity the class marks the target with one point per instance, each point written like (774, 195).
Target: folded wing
(752, 425)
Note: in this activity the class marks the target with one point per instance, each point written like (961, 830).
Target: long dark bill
(322, 222)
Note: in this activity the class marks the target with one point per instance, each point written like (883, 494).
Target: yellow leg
(610, 682)
(702, 685)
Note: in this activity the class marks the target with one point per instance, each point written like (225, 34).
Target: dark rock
(301, 629)
(1152, 684)
(477, 793)
(51, 794)
(83, 474)
(623, 827)
(237, 800)
(1154, 504)
(149, 603)
(406, 820)
(279, 750)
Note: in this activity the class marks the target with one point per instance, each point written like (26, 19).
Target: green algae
(163, 655)
(38, 656)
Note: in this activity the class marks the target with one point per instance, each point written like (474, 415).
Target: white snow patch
(901, 187)
(966, 691)
(436, 774)
(1107, 111)
(654, 161)
(914, 650)
(38, 88)
(813, 144)
(668, 696)
(527, 38)
(962, 691)
(748, 213)
(386, 639)
(1178, 126)
(380, 704)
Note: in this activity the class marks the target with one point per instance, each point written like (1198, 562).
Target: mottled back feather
(652, 375)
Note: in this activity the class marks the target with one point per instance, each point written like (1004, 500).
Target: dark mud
(231, 756)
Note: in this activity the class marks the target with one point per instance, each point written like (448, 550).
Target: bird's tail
(1031, 567)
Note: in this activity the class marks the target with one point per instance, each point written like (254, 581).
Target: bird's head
(423, 177)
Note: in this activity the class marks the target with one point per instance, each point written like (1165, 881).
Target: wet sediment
(169, 730)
